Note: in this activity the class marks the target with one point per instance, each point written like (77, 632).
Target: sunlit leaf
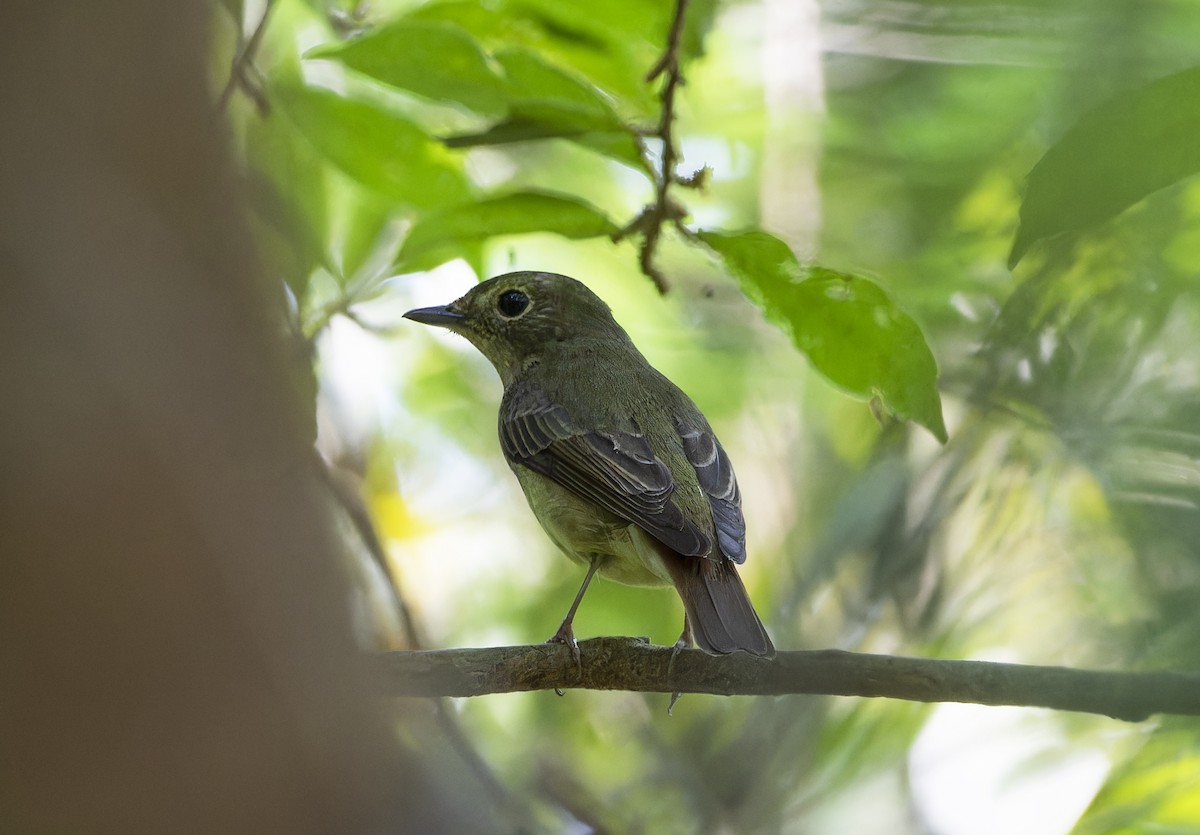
(534, 83)
(435, 60)
(1125, 149)
(612, 45)
(548, 102)
(850, 329)
(511, 214)
(534, 99)
(380, 149)
(364, 237)
(1154, 790)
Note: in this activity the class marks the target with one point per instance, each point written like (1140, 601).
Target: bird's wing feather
(618, 471)
(715, 474)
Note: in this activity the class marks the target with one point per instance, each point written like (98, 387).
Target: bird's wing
(715, 474)
(617, 471)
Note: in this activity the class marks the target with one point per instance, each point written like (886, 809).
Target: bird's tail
(719, 610)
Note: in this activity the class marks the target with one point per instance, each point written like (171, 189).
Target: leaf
(612, 45)
(548, 102)
(618, 146)
(1151, 789)
(380, 149)
(531, 97)
(363, 238)
(512, 214)
(288, 191)
(701, 15)
(534, 84)
(1123, 150)
(436, 60)
(849, 328)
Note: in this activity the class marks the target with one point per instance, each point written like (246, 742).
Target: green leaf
(513, 214)
(378, 148)
(701, 15)
(618, 146)
(613, 45)
(1153, 789)
(363, 237)
(288, 191)
(436, 60)
(505, 133)
(849, 328)
(533, 98)
(536, 87)
(548, 102)
(1118, 153)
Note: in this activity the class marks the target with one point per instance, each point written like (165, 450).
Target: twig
(352, 504)
(669, 62)
(663, 210)
(632, 664)
(239, 70)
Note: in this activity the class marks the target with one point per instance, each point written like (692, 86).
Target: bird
(620, 467)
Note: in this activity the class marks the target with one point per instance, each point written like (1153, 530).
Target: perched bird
(619, 466)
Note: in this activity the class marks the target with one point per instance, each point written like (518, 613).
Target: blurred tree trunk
(175, 650)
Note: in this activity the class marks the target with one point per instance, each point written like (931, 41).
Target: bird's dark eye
(512, 303)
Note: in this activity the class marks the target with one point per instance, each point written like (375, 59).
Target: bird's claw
(566, 635)
(684, 642)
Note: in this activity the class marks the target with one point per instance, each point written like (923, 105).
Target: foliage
(1056, 525)
(1131, 145)
(849, 328)
(445, 55)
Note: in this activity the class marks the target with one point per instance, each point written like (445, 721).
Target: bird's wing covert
(617, 471)
(715, 474)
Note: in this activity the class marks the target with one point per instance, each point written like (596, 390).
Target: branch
(664, 210)
(243, 64)
(633, 664)
(349, 497)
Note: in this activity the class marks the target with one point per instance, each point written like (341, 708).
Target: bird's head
(514, 318)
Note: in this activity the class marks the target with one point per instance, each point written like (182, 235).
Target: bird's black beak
(441, 316)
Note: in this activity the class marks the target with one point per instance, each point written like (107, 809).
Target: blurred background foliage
(399, 152)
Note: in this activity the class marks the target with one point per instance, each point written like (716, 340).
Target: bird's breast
(583, 531)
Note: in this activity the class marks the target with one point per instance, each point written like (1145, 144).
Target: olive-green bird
(619, 466)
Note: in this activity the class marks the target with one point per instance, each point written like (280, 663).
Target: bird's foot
(684, 642)
(566, 635)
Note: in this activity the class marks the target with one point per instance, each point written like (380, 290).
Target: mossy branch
(632, 664)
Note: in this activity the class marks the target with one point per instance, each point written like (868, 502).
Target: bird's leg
(686, 641)
(566, 632)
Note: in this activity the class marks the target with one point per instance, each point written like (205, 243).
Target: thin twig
(634, 665)
(663, 210)
(356, 510)
(239, 70)
(352, 504)
(669, 62)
